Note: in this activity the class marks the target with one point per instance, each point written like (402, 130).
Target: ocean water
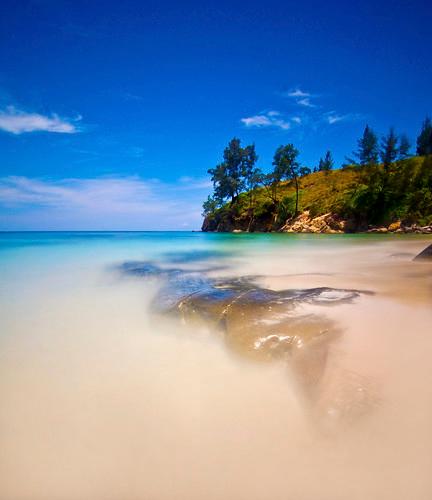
(104, 397)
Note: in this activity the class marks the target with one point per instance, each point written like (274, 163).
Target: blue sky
(112, 112)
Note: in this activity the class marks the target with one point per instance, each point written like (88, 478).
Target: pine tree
(404, 147)
(389, 148)
(424, 140)
(367, 150)
(327, 163)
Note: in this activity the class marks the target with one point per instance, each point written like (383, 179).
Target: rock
(394, 226)
(261, 323)
(426, 254)
(304, 223)
(247, 313)
(378, 230)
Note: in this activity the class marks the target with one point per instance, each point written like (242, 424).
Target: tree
(424, 140)
(231, 176)
(389, 148)
(286, 167)
(253, 179)
(367, 150)
(327, 163)
(252, 175)
(209, 206)
(404, 147)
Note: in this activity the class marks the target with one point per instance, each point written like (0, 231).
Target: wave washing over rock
(262, 324)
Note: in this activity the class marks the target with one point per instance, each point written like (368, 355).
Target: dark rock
(426, 254)
(254, 319)
(261, 323)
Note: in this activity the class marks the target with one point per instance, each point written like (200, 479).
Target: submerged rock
(256, 322)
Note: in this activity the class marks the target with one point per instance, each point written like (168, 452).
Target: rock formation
(426, 254)
(259, 323)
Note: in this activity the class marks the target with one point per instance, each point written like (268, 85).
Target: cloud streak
(104, 202)
(301, 97)
(306, 102)
(18, 122)
(297, 93)
(333, 117)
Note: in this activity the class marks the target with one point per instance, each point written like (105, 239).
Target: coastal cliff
(347, 200)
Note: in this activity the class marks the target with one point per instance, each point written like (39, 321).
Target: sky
(111, 113)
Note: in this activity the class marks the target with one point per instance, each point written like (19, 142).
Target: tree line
(238, 171)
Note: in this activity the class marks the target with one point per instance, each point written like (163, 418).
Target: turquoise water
(127, 245)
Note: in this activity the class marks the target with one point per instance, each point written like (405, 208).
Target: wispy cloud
(306, 102)
(301, 97)
(18, 122)
(296, 119)
(269, 119)
(333, 117)
(297, 93)
(101, 203)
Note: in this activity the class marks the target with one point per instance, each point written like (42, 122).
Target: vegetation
(424, 140)
(381, 185)
(326, 164)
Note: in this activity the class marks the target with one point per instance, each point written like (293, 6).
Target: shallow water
(102, 398)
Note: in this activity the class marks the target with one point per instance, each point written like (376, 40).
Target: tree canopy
(235, 172)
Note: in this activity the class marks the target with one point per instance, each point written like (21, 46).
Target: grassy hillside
(363, 197)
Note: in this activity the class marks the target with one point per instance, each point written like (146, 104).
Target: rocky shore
(328, 223)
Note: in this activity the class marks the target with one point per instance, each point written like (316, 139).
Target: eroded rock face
(305, 223)
(256, 322)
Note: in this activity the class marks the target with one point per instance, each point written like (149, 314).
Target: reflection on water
(217, 369)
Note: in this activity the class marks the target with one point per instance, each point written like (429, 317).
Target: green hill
(347, 200)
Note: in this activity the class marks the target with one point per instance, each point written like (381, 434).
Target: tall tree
(230, 177)
(404, 147)
(389, 148)
(367, 149)
(209, 206)
(254, 177)
(286, 167)
(326, 163)
(424, 140)
(250, 173)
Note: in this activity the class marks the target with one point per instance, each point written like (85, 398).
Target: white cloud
(268, 119)
(296, 119)
(101, 203)
(305, 102)
(333, 117)
(298, 93)
(18, 122)
(301, 97)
